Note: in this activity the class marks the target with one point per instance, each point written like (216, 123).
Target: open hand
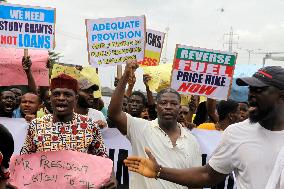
(147, 167)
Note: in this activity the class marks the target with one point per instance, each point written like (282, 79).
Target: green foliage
(53, 57)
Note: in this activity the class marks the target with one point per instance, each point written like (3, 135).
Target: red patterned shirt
(81, 134)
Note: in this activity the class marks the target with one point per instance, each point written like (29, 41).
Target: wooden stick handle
(26, 52)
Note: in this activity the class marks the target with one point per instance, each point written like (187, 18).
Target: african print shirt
(81, 134)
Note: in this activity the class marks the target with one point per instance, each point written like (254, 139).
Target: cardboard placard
(153, 49)
(113, 41)
(59, 169)
(204, 72)
(27, 27)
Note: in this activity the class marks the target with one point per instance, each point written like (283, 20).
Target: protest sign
(160, 76)
(86, 76)
(58, 69)
(153, 49)
(203, 72)
(113, 41)
(117, 144)
(27, 27)
(11, 69)
(59, 169)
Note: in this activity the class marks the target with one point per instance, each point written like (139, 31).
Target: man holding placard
(172, 144)
(64, 129)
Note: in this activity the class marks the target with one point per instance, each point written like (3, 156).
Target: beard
(254, 118)
(258, 115)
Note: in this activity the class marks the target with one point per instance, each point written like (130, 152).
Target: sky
(258, 26)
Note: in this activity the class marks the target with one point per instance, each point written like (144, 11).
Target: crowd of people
(66, 116)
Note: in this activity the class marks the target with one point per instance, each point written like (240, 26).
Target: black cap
(267, 76)
(86, 84)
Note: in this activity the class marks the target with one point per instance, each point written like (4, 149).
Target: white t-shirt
(96, 115)
(276, 179)
(143, 133)
(250, 151)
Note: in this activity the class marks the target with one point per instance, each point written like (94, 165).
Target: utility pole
(251, 51)
(165, 59)
(231, 39)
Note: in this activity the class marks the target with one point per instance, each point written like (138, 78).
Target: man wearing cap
(248, 148)
(64, 129)
(85, 103)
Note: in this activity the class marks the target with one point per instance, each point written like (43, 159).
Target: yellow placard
(151, 58)
(68, 70)
(185, 99)
(86, 75)
(160, 76)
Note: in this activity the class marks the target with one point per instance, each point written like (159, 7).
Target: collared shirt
(17, 113)
(143, 133)
(80, 134)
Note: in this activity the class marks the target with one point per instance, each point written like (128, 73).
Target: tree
(53, 58)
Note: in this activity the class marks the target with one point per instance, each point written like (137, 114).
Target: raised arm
(211, 109)
(191, 177)
(131, 83)
(150, 98)
(27, 63)
(115, 113)
(151, 101)
(192, 105)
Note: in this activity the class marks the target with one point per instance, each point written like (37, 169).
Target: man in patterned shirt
(65, 129)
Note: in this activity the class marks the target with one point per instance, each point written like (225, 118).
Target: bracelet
(159, 172)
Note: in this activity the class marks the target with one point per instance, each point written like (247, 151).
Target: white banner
(18, 128)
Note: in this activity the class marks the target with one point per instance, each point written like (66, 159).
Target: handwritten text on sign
(203, 72)
(153, 49)
(67, 169)
(26, 27)
(113, 41)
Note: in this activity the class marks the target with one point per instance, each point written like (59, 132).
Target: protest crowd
(182, 131)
